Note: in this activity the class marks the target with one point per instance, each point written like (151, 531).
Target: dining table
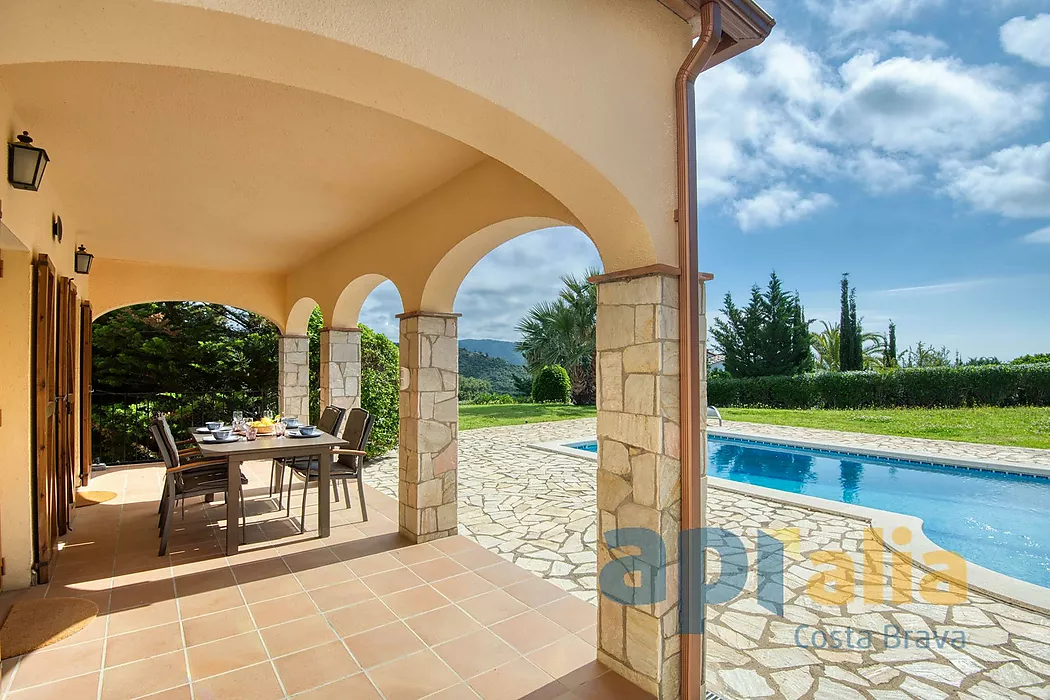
(268, 447)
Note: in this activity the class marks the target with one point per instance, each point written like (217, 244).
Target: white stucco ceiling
(209, 170)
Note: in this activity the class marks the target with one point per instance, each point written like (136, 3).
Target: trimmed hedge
(933, 387)
(552, 385)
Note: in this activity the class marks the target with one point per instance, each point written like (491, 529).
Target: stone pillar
(639, 476)
(340, 367)
(293, 370)
(429, 405)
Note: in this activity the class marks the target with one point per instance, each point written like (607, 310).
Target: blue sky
(904, 141)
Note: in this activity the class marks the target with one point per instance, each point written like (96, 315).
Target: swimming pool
(998, 520)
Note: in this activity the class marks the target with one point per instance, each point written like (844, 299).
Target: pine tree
(890, 356)
(845, 328)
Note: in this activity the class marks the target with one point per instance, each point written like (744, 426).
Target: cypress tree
(856, 345)
(845, 329)
(890, 356)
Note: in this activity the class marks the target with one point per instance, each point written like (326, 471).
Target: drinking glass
(238, 417)
(250, 433)
(278, 429)
(268, 414)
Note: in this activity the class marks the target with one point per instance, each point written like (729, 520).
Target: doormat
(35, 624)
(91, 498)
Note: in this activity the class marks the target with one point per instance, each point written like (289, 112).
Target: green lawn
(1016, 427)
(488, 416)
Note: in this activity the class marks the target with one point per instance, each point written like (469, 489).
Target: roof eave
(744, 24)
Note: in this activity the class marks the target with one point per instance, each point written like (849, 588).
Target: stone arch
(299, 316)
(439, 292)
(347, 308)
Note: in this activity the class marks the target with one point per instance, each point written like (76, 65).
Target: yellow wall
(28, 216)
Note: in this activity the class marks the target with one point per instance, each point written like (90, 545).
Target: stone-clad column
(639, 477)
(340, 367)
(429, 405)
(293, 366)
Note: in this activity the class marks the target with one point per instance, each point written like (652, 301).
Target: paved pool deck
(537, 509)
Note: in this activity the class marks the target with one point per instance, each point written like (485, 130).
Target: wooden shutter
(44, 375)
(65, 403)
(85, 392)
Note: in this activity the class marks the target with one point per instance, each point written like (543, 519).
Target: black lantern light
(82, 263)
(25, 163)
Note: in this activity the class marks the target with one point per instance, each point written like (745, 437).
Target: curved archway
(299, 316)
(347, 309)
(439, 292)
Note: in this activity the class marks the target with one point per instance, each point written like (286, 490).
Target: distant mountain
(503, 349)
(495, 370)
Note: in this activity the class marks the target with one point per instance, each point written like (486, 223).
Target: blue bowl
(213, 425)
(222, 434)
(308, 430)
(291, 422)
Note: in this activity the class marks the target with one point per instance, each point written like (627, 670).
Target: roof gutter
(690, 377)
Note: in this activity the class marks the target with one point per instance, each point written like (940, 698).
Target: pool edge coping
(982, 580)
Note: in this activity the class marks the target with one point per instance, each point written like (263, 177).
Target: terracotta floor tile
(373, 564)
(454, 545)
(50, 665)
(417, 553)
(571, 613)
(518, 679)
(360, 618)
(268, 589)
(475, 653)
(205, 581)
(143, 644)
(589, 635)
(353, 688)
(298, 635)
(477, 558)
(413, 677)
(415, 601)
(263, 569)
(529, 631)
(141, 618)
(252, 683)
(463, 586)
(279, 610)
(383, 644)
(392, 581)
(569, 657)
(307, 560)
(495, 606)
(442, 625)
(535, 592)
(341, 595)
(456, 692)
(180, 693)
(79, 688)
(325, 576)
(610, 686)
(209, 628)
(96, 629)
(309, 669)
(137, 594)
(209, 602)
(437, 569)
(505, 574)
(225, 655)
(144, 677)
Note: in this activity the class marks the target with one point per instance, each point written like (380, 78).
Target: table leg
(233, 507)
(324, 471)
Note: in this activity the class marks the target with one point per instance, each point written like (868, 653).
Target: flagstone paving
(537, 509)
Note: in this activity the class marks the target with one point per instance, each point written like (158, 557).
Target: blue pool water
(1000, 521)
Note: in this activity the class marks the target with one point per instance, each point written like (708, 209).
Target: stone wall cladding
(293, 367)
(429, 405)
(638, 467)
(340, 367)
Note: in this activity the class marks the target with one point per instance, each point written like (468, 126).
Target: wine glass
(238, 418)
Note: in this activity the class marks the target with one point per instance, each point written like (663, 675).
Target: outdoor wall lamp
(82, 261)
(25, 163)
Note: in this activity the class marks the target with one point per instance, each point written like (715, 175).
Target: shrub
(1032, 359)
(380, 389)
(490, 398)
(470, 388)
(932, 387)
(552, 385)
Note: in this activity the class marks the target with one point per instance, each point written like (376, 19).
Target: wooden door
(45, 452)
(67, 318)
(85, 392)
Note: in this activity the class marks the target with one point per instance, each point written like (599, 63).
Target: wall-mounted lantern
(25, 163)
(82, 263)
(56, 227)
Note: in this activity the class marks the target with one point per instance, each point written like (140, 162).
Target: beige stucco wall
(28, 216)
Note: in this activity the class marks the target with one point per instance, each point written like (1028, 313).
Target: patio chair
(202, 477)
(330, 422)
(347, 465)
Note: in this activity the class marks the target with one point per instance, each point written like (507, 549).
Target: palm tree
(826, 345)
(561, 332)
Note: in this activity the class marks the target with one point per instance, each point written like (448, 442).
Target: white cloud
(1040, 236)
(883, 173)
(899, 42)
(935, 289)
(852, 16)
(1028, 38)
(1014, 182)
(776, 206)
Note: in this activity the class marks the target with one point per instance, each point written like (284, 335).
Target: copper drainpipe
(710, 34)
